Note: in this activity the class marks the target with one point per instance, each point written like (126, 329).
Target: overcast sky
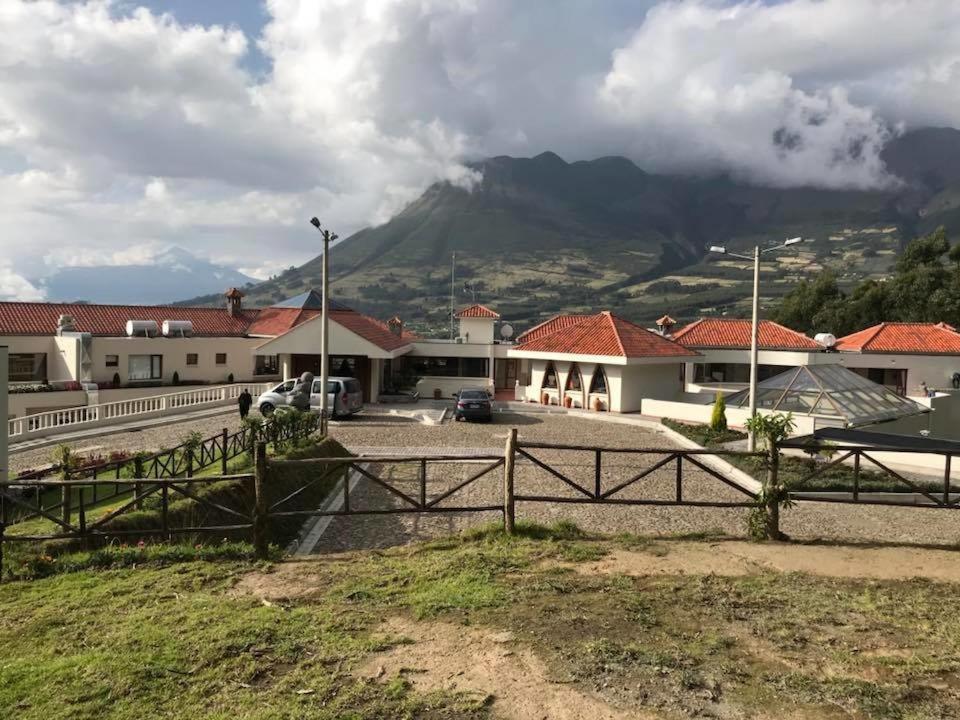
(223, 125)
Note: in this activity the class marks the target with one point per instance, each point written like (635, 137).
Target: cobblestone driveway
(804, 522)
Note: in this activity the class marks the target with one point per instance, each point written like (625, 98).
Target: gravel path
(153, 438)
(806, 521)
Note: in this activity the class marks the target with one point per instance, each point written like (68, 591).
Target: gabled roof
(477, 311)
(547, 327)
(734, 334)
(38, 318)
(273, 321)
(666, 320)
(606, 334)
(915, 338)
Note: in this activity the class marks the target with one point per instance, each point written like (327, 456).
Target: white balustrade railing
(47, 423)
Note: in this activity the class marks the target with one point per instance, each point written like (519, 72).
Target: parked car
(473, 404)
(344, 397)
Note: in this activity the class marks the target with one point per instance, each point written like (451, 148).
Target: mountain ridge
(626, 238)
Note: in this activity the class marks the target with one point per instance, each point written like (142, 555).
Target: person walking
(245, 400)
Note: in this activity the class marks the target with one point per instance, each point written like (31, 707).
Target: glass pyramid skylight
(829, 391)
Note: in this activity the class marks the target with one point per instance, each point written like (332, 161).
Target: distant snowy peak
(172, 275)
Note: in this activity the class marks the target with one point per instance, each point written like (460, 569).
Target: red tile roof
(666, 320)
(734, 334)
(29, 318)
(478, 311)
(34, 318)
(557, 322)
(917, 338)
(605, 334)
(273, 321)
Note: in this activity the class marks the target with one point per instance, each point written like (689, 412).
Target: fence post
(260, 501)
(509, 506)
(137, 474)
(66, 497)
(772, 492)
(223, 458)
(164, 507)
(190, 462)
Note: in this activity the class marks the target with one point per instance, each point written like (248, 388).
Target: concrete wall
(943, 422)
(736, 417)
(638, 382)
(449, 385)
(57, 369)
(476, 330)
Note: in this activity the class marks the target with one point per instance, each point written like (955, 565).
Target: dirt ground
(659, 628)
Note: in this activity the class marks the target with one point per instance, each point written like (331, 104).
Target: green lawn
(163, 632)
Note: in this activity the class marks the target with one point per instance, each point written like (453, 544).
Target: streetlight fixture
(328, 237)
(754, 327)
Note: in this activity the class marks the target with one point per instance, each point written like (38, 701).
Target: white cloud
(123, 132)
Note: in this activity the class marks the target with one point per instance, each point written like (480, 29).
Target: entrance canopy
(829, 391)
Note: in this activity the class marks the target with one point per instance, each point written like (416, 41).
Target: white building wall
(936, 370)
(478, 331)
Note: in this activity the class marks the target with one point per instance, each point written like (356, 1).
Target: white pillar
(286, 365)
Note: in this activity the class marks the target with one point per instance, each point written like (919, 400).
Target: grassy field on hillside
(133, 634)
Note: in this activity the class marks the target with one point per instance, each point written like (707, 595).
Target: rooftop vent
(65, 323)
(142, 328)
(177, 328)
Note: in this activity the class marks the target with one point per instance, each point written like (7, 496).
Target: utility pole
(453, 277)
(755, 322)
(328, 237)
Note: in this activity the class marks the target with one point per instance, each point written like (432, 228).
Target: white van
(344, 397)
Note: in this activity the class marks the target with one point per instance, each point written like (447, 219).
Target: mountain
(171, 275)
(540, 235)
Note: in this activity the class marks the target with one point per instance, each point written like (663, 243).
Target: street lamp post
(755, 323)
(328, 237)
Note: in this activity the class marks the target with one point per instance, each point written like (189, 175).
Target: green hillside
(540, 235)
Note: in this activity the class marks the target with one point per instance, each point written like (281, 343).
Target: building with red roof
(599, 361)
(724, 344)
(909, 358)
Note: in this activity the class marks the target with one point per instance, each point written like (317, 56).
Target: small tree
(176, 378)
(718, 421)
(764, 520)
(116, 379)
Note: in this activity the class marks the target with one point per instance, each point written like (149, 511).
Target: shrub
(718, 421)
(230, 378)
(176, 378)
(116, 379)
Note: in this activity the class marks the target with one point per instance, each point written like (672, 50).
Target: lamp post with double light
(754, 328)
(328, 237)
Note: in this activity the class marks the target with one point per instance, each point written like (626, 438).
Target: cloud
(123, 131)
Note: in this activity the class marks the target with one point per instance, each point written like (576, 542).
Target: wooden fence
(451, 498)
(181, 461)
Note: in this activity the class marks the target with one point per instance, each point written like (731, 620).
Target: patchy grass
(117, 636)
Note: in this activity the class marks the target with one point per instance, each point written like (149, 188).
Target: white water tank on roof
(177, 328)
(142, 328)
(827, 340)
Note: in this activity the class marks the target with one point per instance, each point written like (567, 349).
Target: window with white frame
(145, 367)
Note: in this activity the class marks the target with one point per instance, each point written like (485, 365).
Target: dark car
(472, 404)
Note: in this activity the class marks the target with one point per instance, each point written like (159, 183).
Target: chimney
(665, 324)
(65, 323)
(396, 325)
(234, 301)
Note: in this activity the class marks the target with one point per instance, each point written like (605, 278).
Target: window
(221, 358)
(28, 367)
(343, 366)
(598, 384)
(145, 367)
(266, 365)
(193, 359)
(550, 378)
(450, 366)
(112, 361)
(574, 380)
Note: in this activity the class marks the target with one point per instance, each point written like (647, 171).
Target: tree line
(924, 287)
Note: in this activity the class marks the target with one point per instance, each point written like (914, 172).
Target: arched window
(598, 385)
(574, 379)
(550, 378)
